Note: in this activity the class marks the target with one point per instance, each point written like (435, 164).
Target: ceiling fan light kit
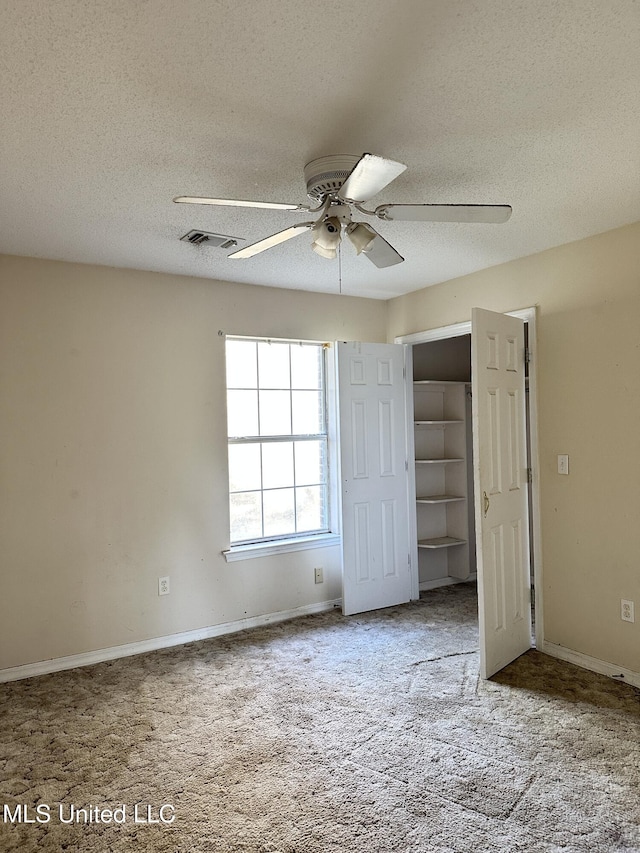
(324, 252)
(339, 182)
(327, 237)
(361, 235)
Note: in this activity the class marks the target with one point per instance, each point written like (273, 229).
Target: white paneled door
(375, 522)
(500, 477)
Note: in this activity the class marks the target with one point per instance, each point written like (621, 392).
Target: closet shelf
(421, 383)
(438, 461)
(438, 423)
(440, 542)
(442, 504)
(439, 499)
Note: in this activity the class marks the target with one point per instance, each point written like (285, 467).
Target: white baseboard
(438, 582)
(100, 655)
(628, 676)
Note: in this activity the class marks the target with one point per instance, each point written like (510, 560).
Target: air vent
(207, 238)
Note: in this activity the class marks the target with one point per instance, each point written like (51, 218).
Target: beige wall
(113, 454)
(588, 349)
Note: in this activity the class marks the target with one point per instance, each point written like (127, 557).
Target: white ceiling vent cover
(207, 238)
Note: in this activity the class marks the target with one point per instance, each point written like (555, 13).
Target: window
(277, 428)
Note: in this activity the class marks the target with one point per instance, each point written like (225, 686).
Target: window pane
(310, 508)
(242, 413)
(242, 364)
(273, 364)
(244, 467)
(279, 512)
(307, 412)
(277, 465)
(246, 516)
(275, 413)
(277, 488)
(309, 457)
(306, 366)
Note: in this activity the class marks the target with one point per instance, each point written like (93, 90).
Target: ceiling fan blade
(444, 212)
(381, 253)
(235, 202)
(370, 175)
(273, 240)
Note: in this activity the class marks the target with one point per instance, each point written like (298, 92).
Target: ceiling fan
(339, 182)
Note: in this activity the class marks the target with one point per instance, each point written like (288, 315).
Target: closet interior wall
(444, 489)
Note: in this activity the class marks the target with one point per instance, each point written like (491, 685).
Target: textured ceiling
(110, 108)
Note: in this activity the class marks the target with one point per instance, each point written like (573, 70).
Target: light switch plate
(563, 463)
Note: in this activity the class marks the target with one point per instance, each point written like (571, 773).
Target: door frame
(464, 328)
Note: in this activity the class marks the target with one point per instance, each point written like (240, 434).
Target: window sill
(282, 546)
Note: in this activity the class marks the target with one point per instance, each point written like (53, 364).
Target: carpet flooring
(367, 734)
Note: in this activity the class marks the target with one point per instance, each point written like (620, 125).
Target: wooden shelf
(438, 461)
(440, 542)
(441, 503)
(439, 499)
(423, 382)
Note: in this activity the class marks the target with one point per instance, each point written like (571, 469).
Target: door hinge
(404, 372)
(406, 464)
(529, 475)
(527, 355)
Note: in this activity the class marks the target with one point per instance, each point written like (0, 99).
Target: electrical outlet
(164, 587)
(319, 576)
(627, 610)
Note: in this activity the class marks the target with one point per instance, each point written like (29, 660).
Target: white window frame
(297, 541)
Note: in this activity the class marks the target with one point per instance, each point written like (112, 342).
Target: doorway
(444, 355)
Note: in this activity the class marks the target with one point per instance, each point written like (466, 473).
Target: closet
(444, 487)
(443, 461)
(455, 413)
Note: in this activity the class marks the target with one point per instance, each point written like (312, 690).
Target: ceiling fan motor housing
(326, 175)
